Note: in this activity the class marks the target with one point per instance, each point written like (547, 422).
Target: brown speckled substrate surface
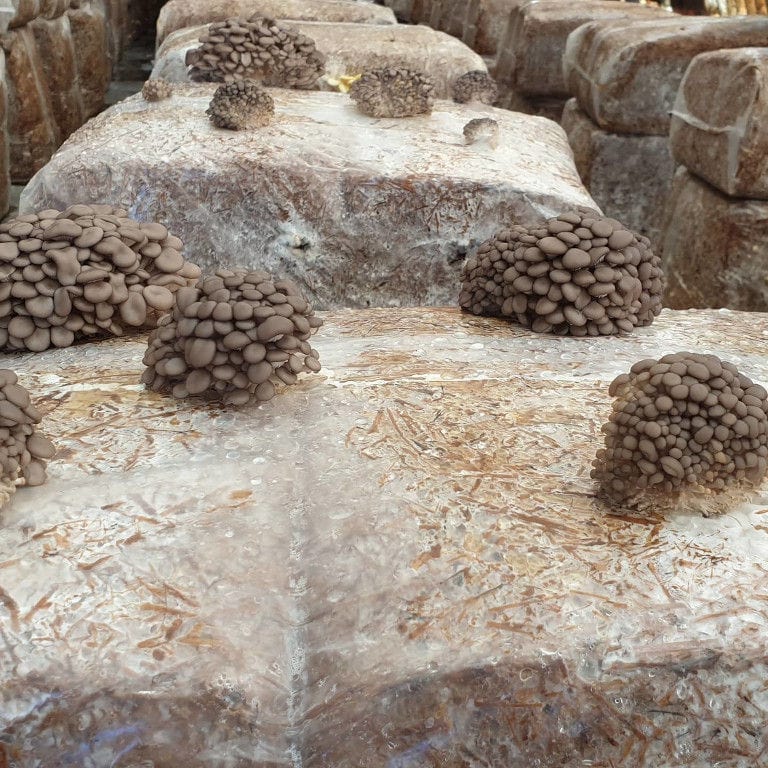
(398, 561)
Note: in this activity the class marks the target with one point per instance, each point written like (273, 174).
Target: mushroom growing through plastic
(475, 86)
(241, 105)
(233, 337)
(256, 49)
(687, 431)
(23, 452)
(482, 130)
(156, 89)
(393, 92)
(580, 274)
(85, 272)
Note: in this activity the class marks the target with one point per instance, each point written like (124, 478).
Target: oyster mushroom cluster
(232, 337)
(393, 92)
(85, 272)
(156, 89)
(580, 274)
(256, 49)
(476, 86)
(23, 451)
(684, 423)
(240, 106)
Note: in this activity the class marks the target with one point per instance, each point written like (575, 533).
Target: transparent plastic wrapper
(625, 75)
(356, 210)
(352, 49)
(629, 175)
(484, 24)
(56, 75)
(719, 125)
(403, 9)
(532, 46)
(398, 561)
(713, 247)
(178, 14)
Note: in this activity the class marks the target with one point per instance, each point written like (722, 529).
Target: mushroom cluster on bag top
(156, 89)
(475, 86)
(257, 48)
(482, 130)
(580, 274)
(393, 92)
(686, 424)
(240, 106)
(23, 451)
(85, 272)
(231, 338)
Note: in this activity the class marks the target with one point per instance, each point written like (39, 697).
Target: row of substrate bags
(624, 78)
(715, 241)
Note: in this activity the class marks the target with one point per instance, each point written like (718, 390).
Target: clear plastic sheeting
(625, 75)
(714, 247)
(628, 174)
(397, 562)
(719, 125)
(356, 210)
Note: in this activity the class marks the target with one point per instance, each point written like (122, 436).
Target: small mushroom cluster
(234, 336)
(256, 49)
(156, 89)
(84, 272)
(686, 422)
(23, 452)
(482, 130)
(393, 92)
(476, 85)
(240, 106)
(579, 274)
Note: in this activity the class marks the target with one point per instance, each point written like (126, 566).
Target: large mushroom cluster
(240, 106)
(684, 423)
(232, 337)
(393, 92)
(256, 49)
(23, 451)
(87, 271)
(580, 274)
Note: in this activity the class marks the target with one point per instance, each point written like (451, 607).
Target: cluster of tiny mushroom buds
(156, 89)
(88, 271)
(684, 423)
(475, 86)
(580, 274)
(256, 49)
(23, 451)
(240, 106)
(393, 92)
(231, 338)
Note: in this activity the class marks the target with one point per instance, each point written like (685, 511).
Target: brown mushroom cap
(241, 105)
(580, 274)
(475, 86)
(156, 89)
(232, 337)
(685, 422)
(393, 92)
(85, 272)
(256, 49)
(23, 452)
